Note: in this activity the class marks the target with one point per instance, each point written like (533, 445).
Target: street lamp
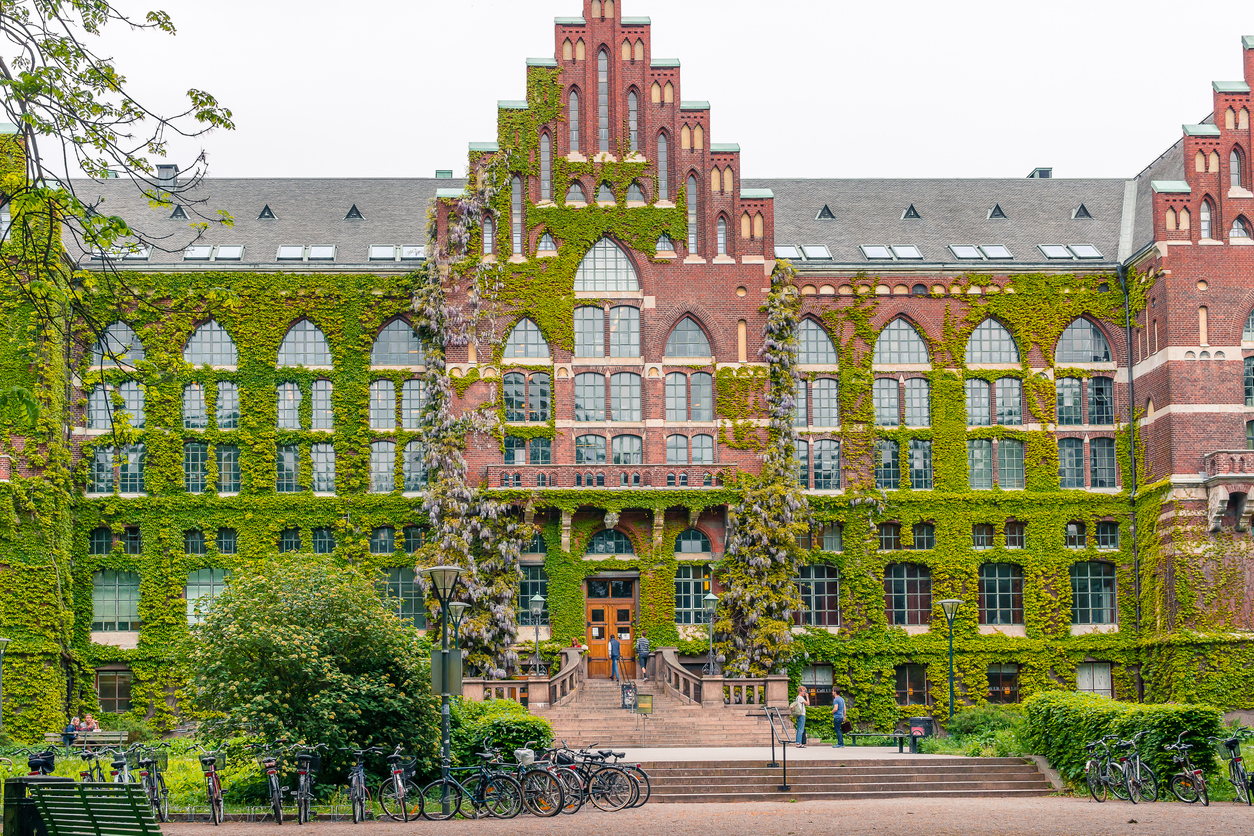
(710, 602)
(3, 644)
(457, 611)
(537, 607)
(443, 579)
(950, 607)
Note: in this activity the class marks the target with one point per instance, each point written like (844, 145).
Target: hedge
(1059, 724)
(507, 723)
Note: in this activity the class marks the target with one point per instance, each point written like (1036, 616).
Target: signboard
(644, 703)
(629, 696)
(454, 672)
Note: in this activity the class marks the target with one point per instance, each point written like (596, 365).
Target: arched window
(1184, 219)
(304, 345)
(663, 167)
(568, 50)
(489, 235)
(590, 449)
(1082, 342)
(688, 340)
(575, 193)
(716, 182)
(908, 593)
(605, 194)
(633, 120)
(677, 449)
(668, 93)
(745, 225)
(655, 93)
(516, 215)
(691, 197)
(635, 193)
(685, 138)
(626, 51)
(603, 101)
(610, 542)
(639, 56)
(627, 449)
(722, 235)
(703, 449)
(814, 347)
(1204, 219)
(698, 138)
(118, 344)
(758, 225)
(526, 341)
(1248, 333)
(397, 345)
(573, 120)
(693, 541)
(211, 344)
(899, 343)
(1230, 119)
(1240, 229)
(991, 343)
(606, 267)
(546, 167)
(1234, 168)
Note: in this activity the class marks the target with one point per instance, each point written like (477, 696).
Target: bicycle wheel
(403, 803)
(1093, 775)
(215, 815)
(1130, 784)
(572, 786)
(500, 796)
(1202, 792)
(609, 790)
(1146, 782)
(1117, 779)
(302, 800)
(642, 778)
(276, 799)
(542, 793)
(1182, 788)
(163, 799)
(361, 800)
(1240, 781)
(441, 800)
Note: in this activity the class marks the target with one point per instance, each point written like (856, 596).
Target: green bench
(90, 739)
(91, 809)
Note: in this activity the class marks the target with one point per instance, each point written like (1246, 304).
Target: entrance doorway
(611, 611)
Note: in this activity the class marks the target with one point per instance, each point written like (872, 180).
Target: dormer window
(996, 213)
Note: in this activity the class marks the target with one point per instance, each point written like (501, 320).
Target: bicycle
(269, 764)
(358, 792)
(119, 765)
(493, 793)
(562, 764)
(1141, 778)
(637, 774)
(94, 771)
(1230, 750)
(1101, 773)
(210, 763)
(400, 797)
(39, 761)
(543, 793)
(608, 787)
(308, 762)
(1189, 784)
(153, 781)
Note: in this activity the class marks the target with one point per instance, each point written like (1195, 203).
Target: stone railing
(534, 691)
(565, 684)
(676, 677)
(718, 692)
(1229, 462)
(760, 692)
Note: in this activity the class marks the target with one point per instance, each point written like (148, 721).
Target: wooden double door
(611, 612)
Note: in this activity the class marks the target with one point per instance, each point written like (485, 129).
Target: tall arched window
(603, 101)
(118, 344)
(397, 345)
(211, 344)
(668, 93)
(815, 348)
(610, 542)
(991, 343)
(633, 120)
(489, 236)
(691, 197)
(655, 93)
(693, 541)
(1082, 342)
(900, 343)
(1204, 219)
(516, 215)
(688, 340)
(722, 235)
(573, 120)
(1234, 168)
(663, 169)
(546, 168)
(606, 267)
(304, 345)
(526, 341)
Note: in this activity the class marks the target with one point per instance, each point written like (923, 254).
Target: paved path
(899, 817)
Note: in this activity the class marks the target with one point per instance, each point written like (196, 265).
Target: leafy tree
(307, 651)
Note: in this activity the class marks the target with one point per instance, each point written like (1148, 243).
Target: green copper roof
(1201, 130)
(637, 21)
(694, 105)
(725, 147)
(1248, 42)
(541, 62)
(451, 194)
(570, 21)
(512, 104)
(1230, 86)
(756, 194)
(663, 63)
(1170, 186)
(486, 147)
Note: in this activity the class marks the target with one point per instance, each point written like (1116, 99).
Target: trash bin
(920, 727)
(21, 816)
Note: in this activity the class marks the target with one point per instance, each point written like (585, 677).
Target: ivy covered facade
(605, 369)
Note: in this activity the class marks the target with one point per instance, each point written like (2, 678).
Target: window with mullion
(825, 406)
(803, 463)
(322, 457)
(624, 331)
(287, 468)
(382, 467)
(1001, 593)
(691, 583)
(1071, 463)
(677, 449)
(627, 450)
(676, 397)
(195, 413)
(886, 395)
(1101, 401)
(1093, 593)
(1009, 401)
(819, 586)
(414, 465)
(228, 468)
(1102, 463)
(1010, 467)
(589, 397)
(1069, 401)
(826, 465)
(413, 402)
(888, 466)
(195, 466)
(289, 398)
(979, 411)
(131, 473)
(100, 479)
(227, 407)
(920, 464)
(625, 403)
(980, 463)
(918, 402)
(115, 601)
(382, 405)
(701, 402)
(534, 581)
(589, 332)
(908, 594)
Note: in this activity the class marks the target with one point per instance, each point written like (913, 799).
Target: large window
(211, 344)
(1011, 472)
(625, 397)
(1069, 401)
(886, 395)
(287, 468)
(827, 465)
(322, 458)
(703, 449)
(288, 397)
(603, 100)
(606, 267)
(195, 412)
(114, 690)
(118, 344)
(1009, 401)
(1101, 400)
(693, 541)
(1093, 593)
(624, 331)
(688, 340)
(115, 601)
(414, 463)
(228, 468)
(589, 332)
(590, 449)
(912, 685)
(1106, 535)
(1003, 683)
(527, 397)
(918, 402)
(131, 473)
(526, 342)
(691, 584)
(980, 463)
(516, 215)
(1001, 593)
(991, 343)
(1071, 463)
(534, 581)
(100, 478)
(888, 466)
(382, 467)
(825, 402)
(413, 402)
(322, 413)
(203, 585)
(382, 405)
(979, 405)
(1094, 678)
(610, 541)
(398, 345)
(819, 585)
(589, 397)
(627, 449)
(1102, 456)
(1082, 342)
(227, 409)
(920, 464)
(908, 594)
(900, 344)
(677, 449)
(100, 409)
(694, 222)
(383, 540)
(814, 347)
(406, 598)
(304, 345)
(195, 466)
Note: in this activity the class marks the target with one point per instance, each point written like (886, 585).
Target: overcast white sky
(816, 88)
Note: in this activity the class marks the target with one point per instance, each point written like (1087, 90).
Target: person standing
(838, 718)
(642, 654)
(798, 712)
(615, 657)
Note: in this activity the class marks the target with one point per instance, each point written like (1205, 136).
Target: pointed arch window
(603, 100)
(212, 345)
(688, 340)
(722, 235)
(899, 344)
(990, 342)
(573, 120)
(1082, 342)
(691, 197)
(118, 344)
(516, 215)
(606, 267)
(633, 120)
(604, 193)
(1204, 219)
(575, 193)
(1240, 229)
(815, 347)
(635, 193)
(1234, 168)
(526, 341)
(398, 345)
(546, 167)
(489, 235)
(304, 345)
(663, 168)
(1248, 333)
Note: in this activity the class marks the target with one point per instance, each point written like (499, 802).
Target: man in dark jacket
(615, 658)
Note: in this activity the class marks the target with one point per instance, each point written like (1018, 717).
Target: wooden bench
(90, 739)
(898, 736)
(73, 809)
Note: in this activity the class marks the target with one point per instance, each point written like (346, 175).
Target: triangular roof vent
(825, 214)
(266, 214)
(996, 212)
(910, 213)
(1081, 211)
(178, 213)
(353, 214)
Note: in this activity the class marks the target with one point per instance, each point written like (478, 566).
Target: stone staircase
(595, 716)
(811, 780)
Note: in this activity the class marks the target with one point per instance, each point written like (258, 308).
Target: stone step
(905, 773)
(975, 792)
(860, 786)
(925, 762)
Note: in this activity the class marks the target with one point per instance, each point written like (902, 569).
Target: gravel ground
(925, 817)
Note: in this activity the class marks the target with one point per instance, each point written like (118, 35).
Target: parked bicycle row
(1115, 767)
(544, 783)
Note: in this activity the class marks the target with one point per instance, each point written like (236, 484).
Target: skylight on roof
(964, 251)
(1055, 251)
(1085, 251)
(816, 251)
(876, 251)
(322, 253)
(291, 253)
(1081, 212)
(787, 252)
(354, 214)
(137, 253)
(178, 213)
(382, 253)
(413, 251)
(229, 253)
(266, 214)
(197, 252)
(907, 251)
(995, 251)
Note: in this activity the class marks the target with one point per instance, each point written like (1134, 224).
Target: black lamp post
(536, 605)
(443, 579)
(710, 602)
(3, 644)
(950, 607)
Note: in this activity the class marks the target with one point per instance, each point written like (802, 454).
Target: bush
(986, 720)
(1059, 723)
(507, 723)
(139, 730)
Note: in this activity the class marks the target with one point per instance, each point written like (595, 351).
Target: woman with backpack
(798, 712)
